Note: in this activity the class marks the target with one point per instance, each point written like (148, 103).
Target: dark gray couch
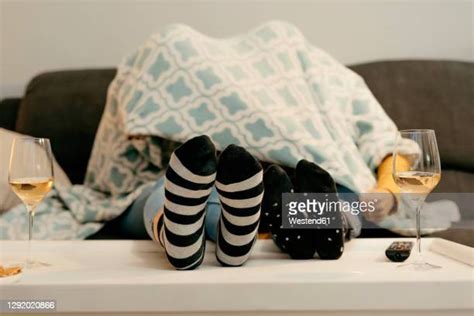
(66, 107)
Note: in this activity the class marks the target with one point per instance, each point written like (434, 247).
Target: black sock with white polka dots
(298, 243)
(301, 243)
(329, 242)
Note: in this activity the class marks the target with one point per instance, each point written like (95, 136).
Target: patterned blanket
(268, 90)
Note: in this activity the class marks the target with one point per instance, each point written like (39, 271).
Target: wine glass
(417, 171)
(31, 176)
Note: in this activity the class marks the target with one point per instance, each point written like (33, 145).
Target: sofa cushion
(456, 181)
(429, 94)
(66, 107)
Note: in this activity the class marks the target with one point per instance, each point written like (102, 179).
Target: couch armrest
(9, 110)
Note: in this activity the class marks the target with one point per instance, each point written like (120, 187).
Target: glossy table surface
(134, 276)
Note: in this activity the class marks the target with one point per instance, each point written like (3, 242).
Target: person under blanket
(211, 211)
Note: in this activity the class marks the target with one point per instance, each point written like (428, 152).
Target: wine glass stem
(418, 232)
(419, 205)
(30, 225)
(31, 217)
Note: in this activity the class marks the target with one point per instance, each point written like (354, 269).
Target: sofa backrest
(429, 94)
(66, 106)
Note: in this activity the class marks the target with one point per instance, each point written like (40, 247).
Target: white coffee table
(134, 277)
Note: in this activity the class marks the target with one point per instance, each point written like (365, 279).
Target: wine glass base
(34, 264)
(419, 266)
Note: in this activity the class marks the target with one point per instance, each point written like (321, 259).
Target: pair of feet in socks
(299, 243)
(192, 172)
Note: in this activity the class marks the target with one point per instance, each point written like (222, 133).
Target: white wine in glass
(417, 182)
(31, 177)
(418, 147)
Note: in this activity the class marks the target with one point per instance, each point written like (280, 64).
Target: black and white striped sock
(240, 187)
(188, 182)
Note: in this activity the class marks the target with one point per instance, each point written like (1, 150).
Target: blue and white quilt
(268, 90)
